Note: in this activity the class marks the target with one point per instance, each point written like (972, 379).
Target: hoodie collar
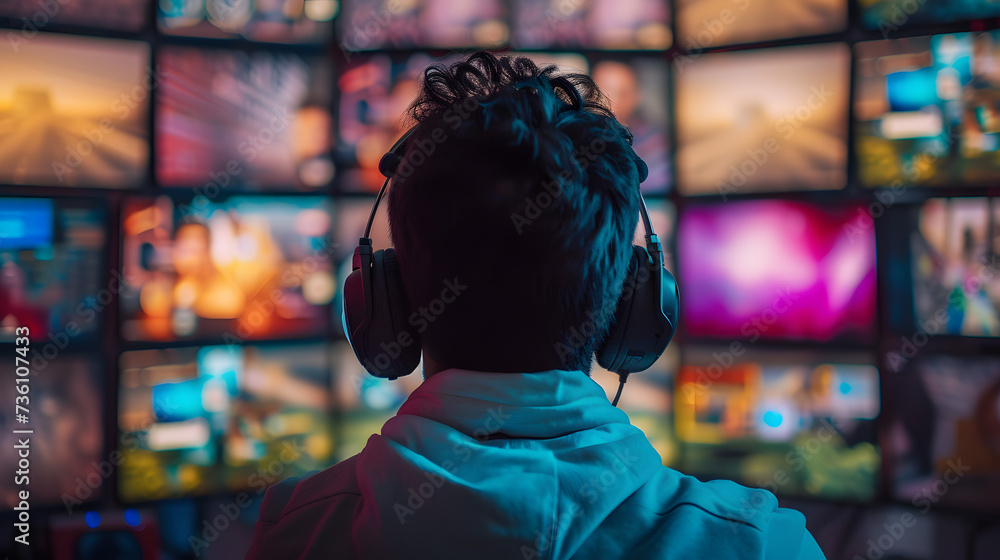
(538, 405)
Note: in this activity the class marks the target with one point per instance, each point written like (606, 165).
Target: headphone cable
(622, 377)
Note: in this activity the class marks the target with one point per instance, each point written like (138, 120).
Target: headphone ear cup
(383, 340)
(645, 318)
(398, 311)
(396, 342)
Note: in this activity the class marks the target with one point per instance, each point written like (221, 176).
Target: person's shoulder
(309, 516)
(295, 493)
(734, 516)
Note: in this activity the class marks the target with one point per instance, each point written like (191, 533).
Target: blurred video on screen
(927, 110)
(639, 91)
(763, 120)
(451, 24)
(272, 21)
(73, 111)
(600, 24)
(237, 120)
(246, 268)
(122, 15)
(709, 23)
(365, 401)
(52, 255)
(956, 266)
(945, 435)
(196, 421)
(777, 269)
(68, 462)
(648, 400)
(375, 91)
(792, 424)
(888, 16)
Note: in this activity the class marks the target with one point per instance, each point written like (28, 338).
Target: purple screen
(777, 269)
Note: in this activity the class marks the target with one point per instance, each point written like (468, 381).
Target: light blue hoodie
(518, 466)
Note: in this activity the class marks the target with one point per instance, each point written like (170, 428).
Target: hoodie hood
(520, 465)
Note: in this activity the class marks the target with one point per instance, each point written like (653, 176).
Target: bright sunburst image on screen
(73, 112)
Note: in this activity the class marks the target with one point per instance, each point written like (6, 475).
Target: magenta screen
(777, 269)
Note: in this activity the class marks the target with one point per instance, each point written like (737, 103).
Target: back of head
(512, 214)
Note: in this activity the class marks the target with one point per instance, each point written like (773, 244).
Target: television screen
(709, 23)
(794, 425)
(449, 24)
(601, 24)
(956, 267)
(73, 111)
(376, 90)
(243, 268)
(365, 401)
(222, 418)
(274, 21)
(639, 91)
(123, 15)
(945, 434)
(888, 16)
(65, 410)
(926, 110)
(51, 269)
(231, 119)
(763, 120)
(647, 398)
(777, 269)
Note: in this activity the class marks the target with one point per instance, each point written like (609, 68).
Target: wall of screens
(182, 185)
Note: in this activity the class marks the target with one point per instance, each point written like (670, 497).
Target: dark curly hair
(519, 182)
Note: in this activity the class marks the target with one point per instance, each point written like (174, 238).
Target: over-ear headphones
(376, 310)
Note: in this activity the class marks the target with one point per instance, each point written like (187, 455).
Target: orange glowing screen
(73, 111)
(246, 267)
(763, 120)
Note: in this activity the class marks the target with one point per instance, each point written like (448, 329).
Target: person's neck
(433, 366)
